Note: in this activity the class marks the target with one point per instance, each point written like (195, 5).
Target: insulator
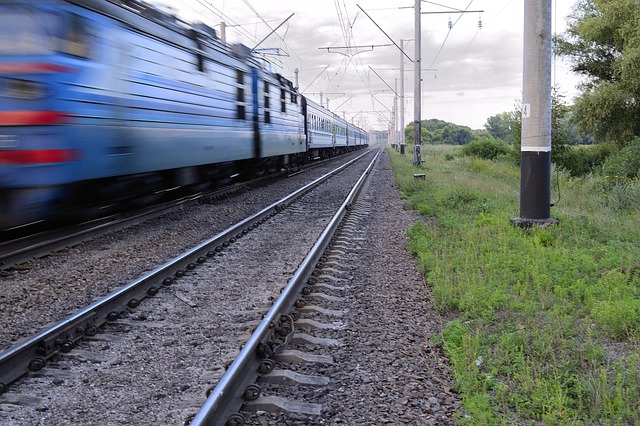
(450, 24)
(480, 23)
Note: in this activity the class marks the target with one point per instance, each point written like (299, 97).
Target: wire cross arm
(273, 31)
(369, 48)
(452, 12)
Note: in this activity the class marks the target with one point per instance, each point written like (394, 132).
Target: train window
(283, 98)
(200, 62)
(241, 111)
(26, 30)
(199, 50)
(77, 40)
(267, 103)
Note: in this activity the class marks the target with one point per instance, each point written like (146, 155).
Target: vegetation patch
(486, 148)
(537, 311)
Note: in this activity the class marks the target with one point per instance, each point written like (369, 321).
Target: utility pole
(401, 97)
(223, 31)
(395, 116)
(535, 151)
(417, 89)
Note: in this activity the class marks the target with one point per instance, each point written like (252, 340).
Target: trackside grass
(547, 320)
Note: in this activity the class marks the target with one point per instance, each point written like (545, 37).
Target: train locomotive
(104, 102)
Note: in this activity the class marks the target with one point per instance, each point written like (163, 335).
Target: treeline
(441, 132)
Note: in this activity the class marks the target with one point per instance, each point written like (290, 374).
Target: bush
(584, 159)
(625, 162)
(485, 148)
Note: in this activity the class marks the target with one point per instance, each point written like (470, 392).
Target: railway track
(33, 354)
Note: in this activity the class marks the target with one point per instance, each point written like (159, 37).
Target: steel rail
(33, 353)
(226, 398)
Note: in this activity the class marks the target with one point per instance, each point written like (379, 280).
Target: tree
(559, 131)
(424, 134)
(500, 126)
(603, 43)
(452, 134)
(440, 132)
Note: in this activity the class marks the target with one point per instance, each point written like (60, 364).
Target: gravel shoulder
(389, 367)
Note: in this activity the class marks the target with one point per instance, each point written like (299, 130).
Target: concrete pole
(395, 116)
(401, 98)
(417, 90)
(535, 151)
(223, 31)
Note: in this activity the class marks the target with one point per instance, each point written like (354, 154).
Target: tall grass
(548, 319)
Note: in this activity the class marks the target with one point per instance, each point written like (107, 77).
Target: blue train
(112, 101)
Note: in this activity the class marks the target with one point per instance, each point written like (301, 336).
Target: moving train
(104, 102)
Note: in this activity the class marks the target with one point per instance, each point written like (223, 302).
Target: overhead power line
(396, 44)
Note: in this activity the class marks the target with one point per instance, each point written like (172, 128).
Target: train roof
(149, 19)
(139, 15)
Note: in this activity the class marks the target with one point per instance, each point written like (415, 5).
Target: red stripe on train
(39, 156)
(34, 68)
(32, 118)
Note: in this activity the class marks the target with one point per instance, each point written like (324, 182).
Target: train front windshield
(25, 30)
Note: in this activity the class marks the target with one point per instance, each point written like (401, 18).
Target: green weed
(538, 310)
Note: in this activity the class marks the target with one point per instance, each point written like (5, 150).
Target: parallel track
(17, 251)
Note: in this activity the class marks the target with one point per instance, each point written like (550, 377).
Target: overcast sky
(469, 73)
